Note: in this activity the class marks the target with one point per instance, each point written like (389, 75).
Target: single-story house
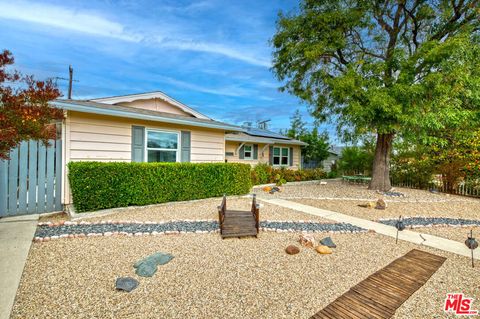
(153, 127)
(334, 156)
(256, 145)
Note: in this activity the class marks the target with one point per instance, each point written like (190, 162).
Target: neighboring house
(255, 145)
(332, 159)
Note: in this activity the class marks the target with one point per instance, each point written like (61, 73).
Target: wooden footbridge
(238, 223)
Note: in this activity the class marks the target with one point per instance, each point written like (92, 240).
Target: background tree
(24, 110)
(356, 160)
(384, 67)
(297, 126)
(454, 153)
(318, 145)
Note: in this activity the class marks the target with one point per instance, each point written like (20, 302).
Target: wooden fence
(30, 182)
(467, 187)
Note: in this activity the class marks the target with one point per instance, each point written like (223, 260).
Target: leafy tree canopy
(24, 110)
(318, 144)
(387, 67)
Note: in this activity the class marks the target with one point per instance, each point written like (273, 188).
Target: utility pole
(70, 80)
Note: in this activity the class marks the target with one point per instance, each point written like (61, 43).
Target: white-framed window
(281, 156)
(248, 152)
(162, 146)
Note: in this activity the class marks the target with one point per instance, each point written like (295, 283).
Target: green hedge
(97, 185)
(265, 174)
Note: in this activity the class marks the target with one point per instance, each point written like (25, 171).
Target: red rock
(292, 250)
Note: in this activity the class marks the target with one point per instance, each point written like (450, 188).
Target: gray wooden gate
(30, 182)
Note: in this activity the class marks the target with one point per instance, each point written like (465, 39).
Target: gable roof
(150, 95)
(142, 114)
(336, 150)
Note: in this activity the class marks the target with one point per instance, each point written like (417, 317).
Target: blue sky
(212, 55)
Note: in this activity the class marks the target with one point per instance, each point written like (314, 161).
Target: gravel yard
(454, 209)
(453, 233)
(337, 189)
(246, 278)
(200, 209)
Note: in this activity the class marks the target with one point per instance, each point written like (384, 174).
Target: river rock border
(47, 231)
(424, 221)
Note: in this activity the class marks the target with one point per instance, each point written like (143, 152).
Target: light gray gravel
(215, 278)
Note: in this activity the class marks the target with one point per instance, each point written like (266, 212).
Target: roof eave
(156, 118)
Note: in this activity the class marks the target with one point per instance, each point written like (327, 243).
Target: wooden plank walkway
(380, 295)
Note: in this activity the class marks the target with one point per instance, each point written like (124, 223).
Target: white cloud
(92, 23)
(214, 48)
(225, 91)
(55, 16)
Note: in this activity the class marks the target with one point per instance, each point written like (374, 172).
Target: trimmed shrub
(97, 185)
(264, 174)
(261, 174)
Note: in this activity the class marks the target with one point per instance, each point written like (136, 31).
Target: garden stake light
(400, 226)
(471, 244)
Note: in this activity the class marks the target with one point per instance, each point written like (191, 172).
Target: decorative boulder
(381, 204)
(307, 240)
(126, 283)
(292, 250)
(148, 267)
(327, 241)
(324, 250)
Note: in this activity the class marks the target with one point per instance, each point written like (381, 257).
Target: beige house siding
(232, 147)
(156, 105)
(91, 137)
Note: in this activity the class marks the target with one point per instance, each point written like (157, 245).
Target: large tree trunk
(381, 163)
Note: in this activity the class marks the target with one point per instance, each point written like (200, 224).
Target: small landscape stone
(126, 283)
(327, 241)
(381, 204)
(292, 250)
(324, 250)
(147, 267)
(307, 240)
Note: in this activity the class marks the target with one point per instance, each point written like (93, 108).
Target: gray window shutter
(270, 155)
(186, 146)
(291, 156)
(138, 143)
(241, 154)
(255, 151)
